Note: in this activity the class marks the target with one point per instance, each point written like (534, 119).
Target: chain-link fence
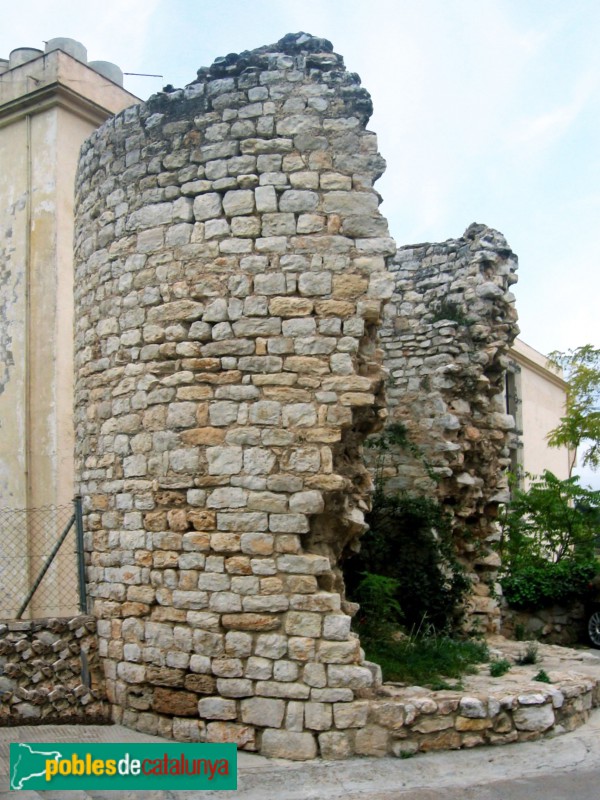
(41, 562)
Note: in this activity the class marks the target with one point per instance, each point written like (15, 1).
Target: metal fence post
(46, 566)
(80, 555)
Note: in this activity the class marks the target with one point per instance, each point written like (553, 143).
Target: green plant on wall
(447, 310)
(410, 586)
(410, 541)
(395, 436)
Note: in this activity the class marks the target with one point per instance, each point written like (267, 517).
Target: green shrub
(548, 543)
(380, 613)
(426, 660)
(410, 541)
(548, 583)
(520, 632)
(554, 520)
(542, 677)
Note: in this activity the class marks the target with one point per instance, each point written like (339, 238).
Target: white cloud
(539, 132)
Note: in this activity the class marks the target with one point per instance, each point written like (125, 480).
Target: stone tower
(230, 278)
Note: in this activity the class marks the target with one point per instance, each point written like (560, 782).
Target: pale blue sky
(486, 111)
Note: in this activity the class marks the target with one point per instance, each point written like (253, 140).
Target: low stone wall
(450, 721)
(50, 672)
(515, 707)
(554, 625)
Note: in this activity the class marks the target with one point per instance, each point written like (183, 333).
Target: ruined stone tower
(446, 334)
(230, 277)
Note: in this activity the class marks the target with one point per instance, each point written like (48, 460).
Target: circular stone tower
(230, 278)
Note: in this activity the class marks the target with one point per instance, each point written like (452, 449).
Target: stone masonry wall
(230, 277)
(50, 672)
(445, 334)
(555, 625)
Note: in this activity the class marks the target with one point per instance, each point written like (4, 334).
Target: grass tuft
(499, 667)
(542, 676)
(529, 655)
(427, 660)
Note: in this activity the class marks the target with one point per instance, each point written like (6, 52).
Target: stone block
(317, 716)
(263, 712)
(335, 745)
(303, 624)
(283, 689)
(216, 708)
(534, 718)
(301, 648)
(313, 284)
(351, 715)
(224, 460)
(250, 622)
(339, 652)
(288, 744)
(172, 702)
(349, 676)
(242, 521)
(201, 684)
(231, 732)
(473, 707)
(207, 206)
(310, 502)
(372, 740)
(336, 627)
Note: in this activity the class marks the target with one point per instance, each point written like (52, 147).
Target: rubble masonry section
(446, 335)
(50, 672)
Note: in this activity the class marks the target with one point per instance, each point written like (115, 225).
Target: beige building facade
(535, 396)
(49, 103)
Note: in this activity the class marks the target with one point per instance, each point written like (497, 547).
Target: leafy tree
(551, 521)
(548, 540)
(581, 422)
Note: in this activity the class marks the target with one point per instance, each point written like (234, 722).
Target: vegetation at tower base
(419, 653)
(411, 588)
(410, 542)
(548, 543)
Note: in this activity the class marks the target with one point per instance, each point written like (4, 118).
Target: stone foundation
(50, 672)
(230, 277)
(445, 334)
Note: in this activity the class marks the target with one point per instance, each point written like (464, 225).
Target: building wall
(47, 108)
(540, 404)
